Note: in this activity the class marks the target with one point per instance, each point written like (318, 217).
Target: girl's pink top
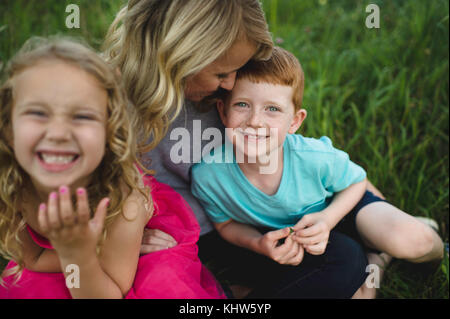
(174, 273)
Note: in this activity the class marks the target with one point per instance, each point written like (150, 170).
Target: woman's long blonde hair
(117, 168)
(157, 44)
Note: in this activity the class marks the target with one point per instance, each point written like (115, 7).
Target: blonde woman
(174, 55)
(73, 204)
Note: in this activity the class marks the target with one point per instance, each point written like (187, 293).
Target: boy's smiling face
(261, 115)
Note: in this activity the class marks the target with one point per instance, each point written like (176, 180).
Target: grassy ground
(380, 94)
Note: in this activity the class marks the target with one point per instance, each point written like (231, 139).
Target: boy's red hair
(282, 68)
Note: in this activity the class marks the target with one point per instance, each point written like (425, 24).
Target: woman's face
(220, 73)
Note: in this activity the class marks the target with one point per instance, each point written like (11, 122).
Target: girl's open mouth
(56, 162)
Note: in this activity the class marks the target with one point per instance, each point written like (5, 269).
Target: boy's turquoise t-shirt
(313, 171)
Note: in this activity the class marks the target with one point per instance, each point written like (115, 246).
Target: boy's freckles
(256, 106)
(259, 105)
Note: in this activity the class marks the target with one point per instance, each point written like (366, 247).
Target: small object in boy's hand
(281, 241)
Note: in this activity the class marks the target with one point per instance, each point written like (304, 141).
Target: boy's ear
(297, 121)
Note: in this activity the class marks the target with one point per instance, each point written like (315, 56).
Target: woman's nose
(228, 82)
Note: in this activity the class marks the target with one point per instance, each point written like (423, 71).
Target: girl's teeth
(57, 159)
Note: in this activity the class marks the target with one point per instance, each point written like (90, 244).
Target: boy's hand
(288, 253)
(71, 231)
(313, 231)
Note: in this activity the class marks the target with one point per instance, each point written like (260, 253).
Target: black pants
(338, 273)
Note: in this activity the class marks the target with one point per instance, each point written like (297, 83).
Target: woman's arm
(240, 234)
(156, 240)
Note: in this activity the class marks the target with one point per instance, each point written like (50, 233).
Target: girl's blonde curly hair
(157, 44)
(117, 170)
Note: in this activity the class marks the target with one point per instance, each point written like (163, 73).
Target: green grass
(379, 94)
(21, 19)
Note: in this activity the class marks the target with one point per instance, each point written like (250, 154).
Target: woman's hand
(313, 231)
(288, 253)
(71, 231)
(155, 240)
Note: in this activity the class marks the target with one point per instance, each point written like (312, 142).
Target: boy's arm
(313, 230)
(343, 202)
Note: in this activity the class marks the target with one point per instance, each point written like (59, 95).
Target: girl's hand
(155, 240)
(313, 231)
(71, 231)
(288, 253)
